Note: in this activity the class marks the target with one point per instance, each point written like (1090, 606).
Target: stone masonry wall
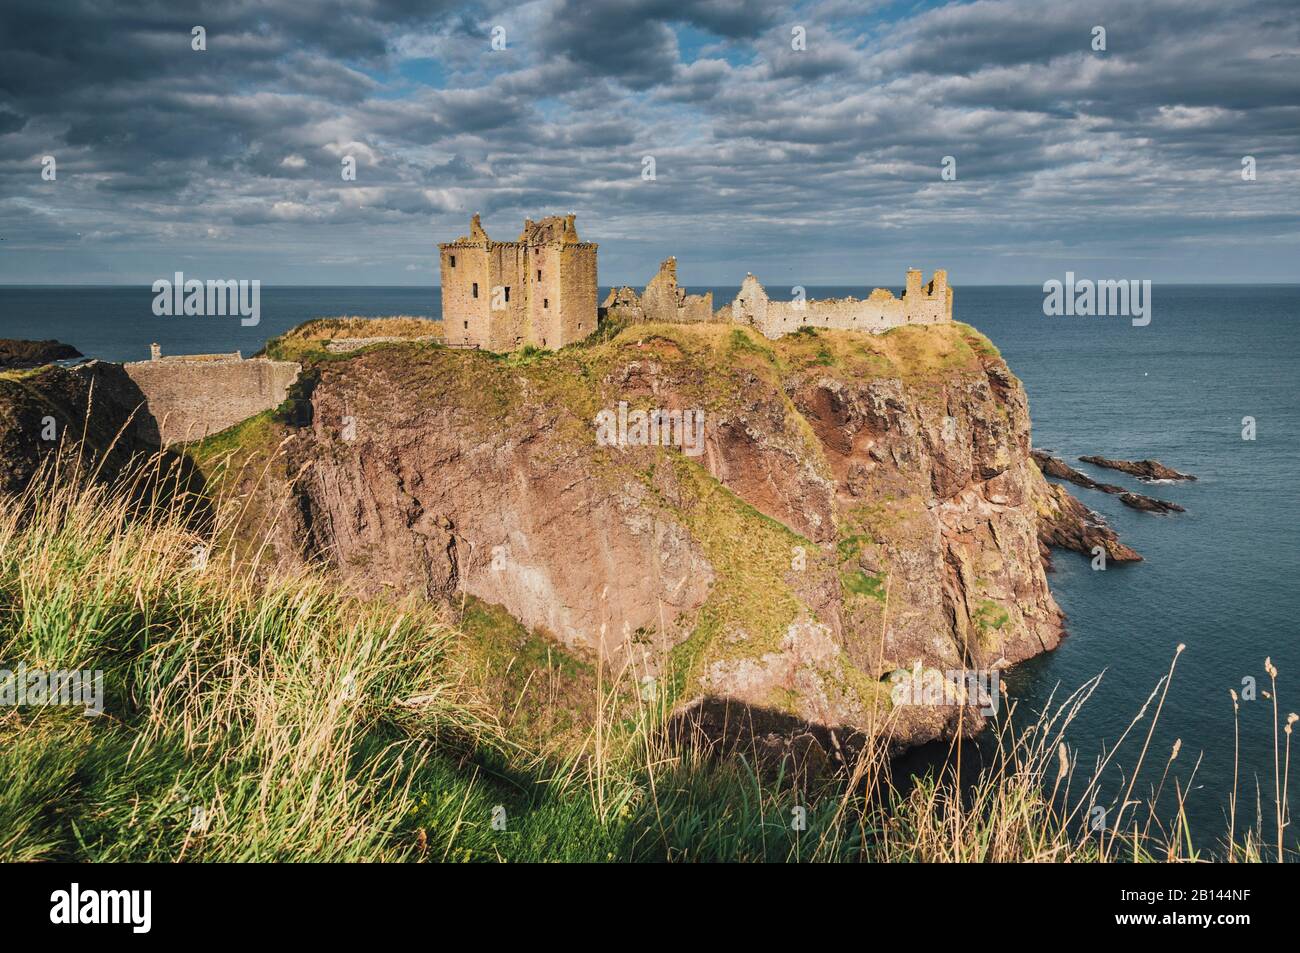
(579, 301)
(662, 300)
(539, 290)
(193, 399)
(878, 312)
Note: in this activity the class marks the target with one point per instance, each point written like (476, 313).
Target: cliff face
(43, 410)
(860, 504)
(857, 504)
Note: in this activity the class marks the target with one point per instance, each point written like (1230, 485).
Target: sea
(1210, 386)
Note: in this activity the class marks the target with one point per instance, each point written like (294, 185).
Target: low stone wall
(345, 345)
(194, 399)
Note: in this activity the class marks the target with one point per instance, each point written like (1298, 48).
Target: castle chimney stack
(913, 290)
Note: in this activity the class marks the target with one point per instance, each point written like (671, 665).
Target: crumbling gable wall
(661, 301)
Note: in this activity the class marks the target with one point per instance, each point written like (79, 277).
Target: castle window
(539, 274)
(507, 292)
(476, 289)
(546, 302)
(466, 325)
(452, 259)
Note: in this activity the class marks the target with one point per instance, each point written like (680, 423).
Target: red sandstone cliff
(860, 505)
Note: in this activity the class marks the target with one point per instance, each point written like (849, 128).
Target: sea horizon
(686, 285)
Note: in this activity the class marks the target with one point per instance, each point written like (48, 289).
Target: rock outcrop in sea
(1056, 467)
(1146, 470)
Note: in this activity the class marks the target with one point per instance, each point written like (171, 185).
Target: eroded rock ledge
(1056, 467)
(1145, 470)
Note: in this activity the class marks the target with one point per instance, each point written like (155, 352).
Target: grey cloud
(816, 158)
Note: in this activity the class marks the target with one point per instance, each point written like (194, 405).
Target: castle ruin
(539, 290)
(662, 300)
(880, 311)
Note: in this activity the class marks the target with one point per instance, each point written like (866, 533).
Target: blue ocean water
(1220, 578)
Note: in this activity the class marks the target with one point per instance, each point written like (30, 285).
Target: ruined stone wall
(662, 300)
(878, 312)
(193, 399)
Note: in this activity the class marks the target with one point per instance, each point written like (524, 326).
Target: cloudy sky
(813, 166)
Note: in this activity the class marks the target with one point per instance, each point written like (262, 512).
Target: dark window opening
(546, 302)
(539, 274)
(507, 292)
(452, 259)
(466, 325)
(476, 289)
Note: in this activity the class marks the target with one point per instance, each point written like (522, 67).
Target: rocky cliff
(860, 504)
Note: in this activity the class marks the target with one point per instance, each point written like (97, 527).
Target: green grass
(863, 583)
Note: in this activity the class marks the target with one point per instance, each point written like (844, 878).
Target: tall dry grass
(246, 718)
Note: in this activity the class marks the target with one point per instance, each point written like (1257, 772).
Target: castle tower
(939, 285)
(913, 289)
(538, 290)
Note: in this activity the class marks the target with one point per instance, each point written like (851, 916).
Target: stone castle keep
(541, 290)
